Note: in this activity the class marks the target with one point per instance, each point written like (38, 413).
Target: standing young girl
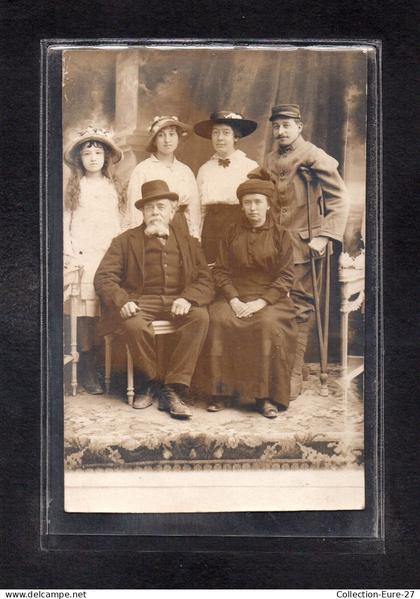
(94, 209)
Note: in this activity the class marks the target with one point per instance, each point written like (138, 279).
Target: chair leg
(130, 378)
(108, 361)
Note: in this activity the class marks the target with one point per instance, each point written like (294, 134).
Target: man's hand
(180, 307)
(128, 310)
(318, 245)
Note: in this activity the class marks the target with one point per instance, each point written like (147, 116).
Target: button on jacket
(121, 274)
(329, 203)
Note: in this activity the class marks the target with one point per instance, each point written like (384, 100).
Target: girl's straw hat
(158, 123)
(92, 134)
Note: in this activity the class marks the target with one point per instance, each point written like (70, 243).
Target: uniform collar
(294, 146)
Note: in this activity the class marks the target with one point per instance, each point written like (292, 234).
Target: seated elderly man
(157, 271)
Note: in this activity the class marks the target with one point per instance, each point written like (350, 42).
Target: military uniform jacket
(329, 204)
(120, 275)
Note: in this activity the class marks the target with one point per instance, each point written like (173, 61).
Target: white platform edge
(213, 491)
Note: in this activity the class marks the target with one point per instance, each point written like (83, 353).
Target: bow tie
(224, 162)
(161, 236)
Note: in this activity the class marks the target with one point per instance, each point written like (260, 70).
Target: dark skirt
(249, 358)
(218, 218)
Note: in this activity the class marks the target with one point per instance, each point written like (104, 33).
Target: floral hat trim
(158, 120)
(95, 134)
(94, 131)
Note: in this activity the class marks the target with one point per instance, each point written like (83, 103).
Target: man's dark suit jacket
(119, 277)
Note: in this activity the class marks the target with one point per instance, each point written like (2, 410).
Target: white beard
(156, 228)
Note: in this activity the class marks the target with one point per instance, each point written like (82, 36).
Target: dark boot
(172, 401)
(296, 381)
(89, 376)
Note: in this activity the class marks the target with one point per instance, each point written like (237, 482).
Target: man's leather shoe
(170, 402)
(142, 401)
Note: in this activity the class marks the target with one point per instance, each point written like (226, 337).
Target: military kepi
(287, 111)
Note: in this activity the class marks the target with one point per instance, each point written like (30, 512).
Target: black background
(24, 24)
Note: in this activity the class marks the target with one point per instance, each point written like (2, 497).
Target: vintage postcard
(214, 202)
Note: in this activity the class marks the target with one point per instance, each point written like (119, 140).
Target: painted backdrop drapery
(125, 88)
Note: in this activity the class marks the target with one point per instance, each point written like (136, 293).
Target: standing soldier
(328, 204)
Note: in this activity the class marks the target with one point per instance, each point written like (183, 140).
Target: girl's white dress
(88, 232)
(180, 179)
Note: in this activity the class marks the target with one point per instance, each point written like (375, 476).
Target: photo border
(61, 530)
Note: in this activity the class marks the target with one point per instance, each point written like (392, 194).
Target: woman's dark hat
(91, 134)
(242, 126)
(155, 190)
(285, 111)
(159, 123)
(258, 181)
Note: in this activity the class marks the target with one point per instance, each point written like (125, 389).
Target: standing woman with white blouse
(219, 177)
(165, 132)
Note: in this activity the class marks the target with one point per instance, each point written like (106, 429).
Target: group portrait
(213, 229)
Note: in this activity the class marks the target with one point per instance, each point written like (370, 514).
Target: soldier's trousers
(302, 291)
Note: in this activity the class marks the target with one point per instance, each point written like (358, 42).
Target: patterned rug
(315, 432)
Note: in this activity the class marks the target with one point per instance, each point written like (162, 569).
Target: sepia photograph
(213, 234)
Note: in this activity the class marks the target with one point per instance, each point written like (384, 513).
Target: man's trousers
(188, 339)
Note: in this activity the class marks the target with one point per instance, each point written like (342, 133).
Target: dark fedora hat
(155, 190)
(242, 126)
(286, 111)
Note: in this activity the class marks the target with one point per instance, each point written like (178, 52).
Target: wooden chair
(161, 327)
(71, 283)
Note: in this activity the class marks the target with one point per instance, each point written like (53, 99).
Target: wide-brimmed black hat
(241, 125)
(155, 190)
(92, 134)
(285, 111)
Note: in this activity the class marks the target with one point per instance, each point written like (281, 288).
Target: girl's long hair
(72, 193)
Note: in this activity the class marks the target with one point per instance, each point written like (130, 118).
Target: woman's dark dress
(252, 357)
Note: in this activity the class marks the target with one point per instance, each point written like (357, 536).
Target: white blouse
(217, 184)
(180, 179)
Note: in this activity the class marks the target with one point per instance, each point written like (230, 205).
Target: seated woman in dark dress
(251, 342)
